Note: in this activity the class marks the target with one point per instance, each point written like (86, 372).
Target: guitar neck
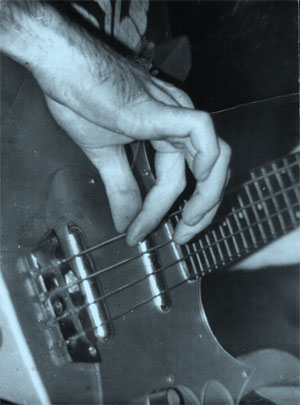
(262, 209)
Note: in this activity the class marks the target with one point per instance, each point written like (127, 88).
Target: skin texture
(104, 102)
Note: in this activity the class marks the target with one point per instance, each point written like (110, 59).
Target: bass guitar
(97, 321)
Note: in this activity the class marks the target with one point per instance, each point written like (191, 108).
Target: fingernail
(204, 175)
(183, 238)
(134, 240)
(193, 221)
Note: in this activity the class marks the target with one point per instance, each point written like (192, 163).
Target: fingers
(180, 96)
(170, 172)
(121, 187)
(195, 130)
(111, 161)
(185, 233)
(201, 208)
(178, 122)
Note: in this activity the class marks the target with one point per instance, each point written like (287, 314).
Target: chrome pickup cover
(70, 295)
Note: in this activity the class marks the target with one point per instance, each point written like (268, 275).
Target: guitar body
(47, 184)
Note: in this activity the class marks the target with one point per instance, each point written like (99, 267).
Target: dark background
(242, 52)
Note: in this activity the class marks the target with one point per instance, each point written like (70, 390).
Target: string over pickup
(70, 293)
(82, 266)
(156, 277)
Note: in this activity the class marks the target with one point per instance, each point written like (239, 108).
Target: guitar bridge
(70, 294)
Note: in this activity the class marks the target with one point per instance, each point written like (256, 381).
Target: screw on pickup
(70, 294)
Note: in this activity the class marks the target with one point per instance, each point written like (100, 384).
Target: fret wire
(291, 175)
(262, 242)
(253, 203)
(237, 255)
(210, 248)
(287, 201)
(204, 253)
(210, 269)
(276, 170)
(278, 193)
(191, 258)
(282, 232)
(280, 218)
(274, 195)
(218, 245)
(293, 181)
(253, 207)
(265, 205)
(169, 289)
(198, 258)
(252, 234)
(237, 220)
(257, 222)
(225, 240)
(290, 172)
(232, 235)
(215, 247)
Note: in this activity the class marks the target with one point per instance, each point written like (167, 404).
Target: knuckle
(225, 149)
(205, 118)
(180, 186)
(184, 99)
(215, 154)
(180, 96)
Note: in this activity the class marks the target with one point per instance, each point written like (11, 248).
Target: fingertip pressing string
(146, 301)
(162, 269)
(129, 259)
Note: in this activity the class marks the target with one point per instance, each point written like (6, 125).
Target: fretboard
(262, 209)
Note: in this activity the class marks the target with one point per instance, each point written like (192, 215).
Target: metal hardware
(157, 281)
(69, 296)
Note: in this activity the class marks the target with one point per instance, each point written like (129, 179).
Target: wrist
(36, 35)
(23, 30)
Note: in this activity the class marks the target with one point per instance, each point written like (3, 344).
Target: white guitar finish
(20, 381)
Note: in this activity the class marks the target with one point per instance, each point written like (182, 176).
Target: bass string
(108, 268)
(134, 307)
(157, 247)
(92, 248)
(178, 212)
(108, 241)
(163, 269)
(123, 313)
(260, 101)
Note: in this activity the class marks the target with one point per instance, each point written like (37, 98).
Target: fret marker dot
(224, 223)
(259, 206)
(241, 215)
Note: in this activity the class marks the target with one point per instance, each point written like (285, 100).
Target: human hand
(150, 110)
(104, 102)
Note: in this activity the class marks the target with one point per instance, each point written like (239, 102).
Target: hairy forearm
(50, 45)
(65, 59)
(35, 34)
(26, 27)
